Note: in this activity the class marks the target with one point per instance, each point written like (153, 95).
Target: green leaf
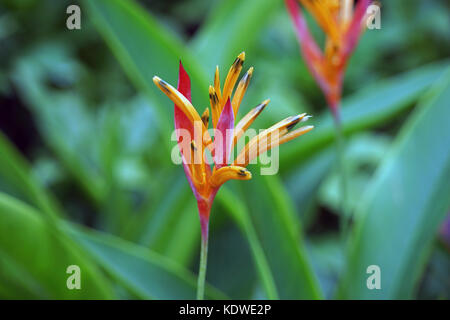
(63, 118)
(15, 171)
(233, 27)
(145, 273)
(228, 246)
(238, 210)
(185, 235)
(401, 211)
(144, 49)
(268, 220)
(37, 256)
(279, 231)
(327, 256)
(367, 108)
(364, 152)
(169, 226)
(303, 182)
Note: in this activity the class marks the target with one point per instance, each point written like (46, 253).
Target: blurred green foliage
(86, 176)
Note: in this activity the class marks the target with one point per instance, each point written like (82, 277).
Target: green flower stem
(202, 268)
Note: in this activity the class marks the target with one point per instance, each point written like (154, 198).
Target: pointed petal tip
(294, 134)
(242, 55)
(181, 70)
(162, 85)
(297, 118)
(305, 129)
(293, 122)
(216, 73)
(205, 117)
(156, 79)
(262, 105)
(245, 174)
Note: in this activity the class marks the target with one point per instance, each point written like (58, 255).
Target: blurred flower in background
(342, 24)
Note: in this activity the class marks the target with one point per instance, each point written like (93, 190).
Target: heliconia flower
(204, 180)
(342, 23)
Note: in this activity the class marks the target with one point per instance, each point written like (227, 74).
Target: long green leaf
(15, 171)
(232, 27)
(144, 48)
(32, 251)
(401, 211)
(240, 214)
(279, 231)
(171, 225)
(55, 112)
(303, 183)
(145, 273)
(268, 220)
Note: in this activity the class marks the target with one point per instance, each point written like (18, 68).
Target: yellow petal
(267, 139)
(197, 164)
(284, 125)
(224, 174)
(214, 101)
(231, 79)
(205, 117)
(183, 103)
(247, 120)
(217, 83)
(240, 90)
(283, 139)
(294, 134)
(180, 100)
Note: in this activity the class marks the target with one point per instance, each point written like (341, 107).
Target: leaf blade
(44, 256)
(407, 213)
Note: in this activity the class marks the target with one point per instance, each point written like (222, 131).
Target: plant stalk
(202, 266)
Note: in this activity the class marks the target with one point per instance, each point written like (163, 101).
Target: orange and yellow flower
(342, 22)
(204, 180)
